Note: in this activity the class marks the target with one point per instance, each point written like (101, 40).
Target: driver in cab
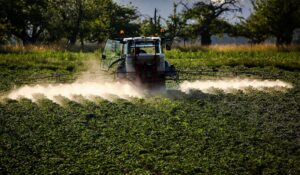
(138, 50)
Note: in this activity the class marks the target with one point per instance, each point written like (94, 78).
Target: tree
(277, 18)
(176, 25)
(151, 25)
(252, 29)
(52, 20)
(146, 27)
(110, 19)
(25, 19)
(72, 19)
(205, 13)
(4, 33)
(124, 18)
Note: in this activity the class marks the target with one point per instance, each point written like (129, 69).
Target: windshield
(112, 52)
(144, 47)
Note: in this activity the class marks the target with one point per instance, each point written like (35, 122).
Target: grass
(284, 60)
(198, 133)
(29, 48)
(178, 133)
(238, 48)
(19, 67)
(42, 48)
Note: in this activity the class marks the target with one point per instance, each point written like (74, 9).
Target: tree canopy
(207, 13)
(48, 21)
(275, 18)
(51, 20)
(25, 19)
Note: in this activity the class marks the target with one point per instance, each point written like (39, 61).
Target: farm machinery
(139, 60)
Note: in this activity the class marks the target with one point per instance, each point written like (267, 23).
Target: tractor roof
(142, 38)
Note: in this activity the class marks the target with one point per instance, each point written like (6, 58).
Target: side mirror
(168, 47)
(103, 57)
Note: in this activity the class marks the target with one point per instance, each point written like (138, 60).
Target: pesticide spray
(105, 90)
(234, 84)
(87, 90)
(90, 84)
(89, 87)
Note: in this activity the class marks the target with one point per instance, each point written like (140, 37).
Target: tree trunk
(76, 28)
(29, 40)
(285, 38)
(81, 40)
(205, 38)
(26, 39)
(73, 38)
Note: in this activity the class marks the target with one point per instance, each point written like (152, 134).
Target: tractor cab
(138, 59)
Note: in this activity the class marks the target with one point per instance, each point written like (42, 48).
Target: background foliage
(48, 21)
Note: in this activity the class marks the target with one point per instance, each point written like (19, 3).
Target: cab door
(111, 53)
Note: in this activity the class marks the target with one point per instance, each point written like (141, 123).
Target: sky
(165, 7)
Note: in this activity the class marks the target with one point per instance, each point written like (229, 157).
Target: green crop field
(174, 133)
